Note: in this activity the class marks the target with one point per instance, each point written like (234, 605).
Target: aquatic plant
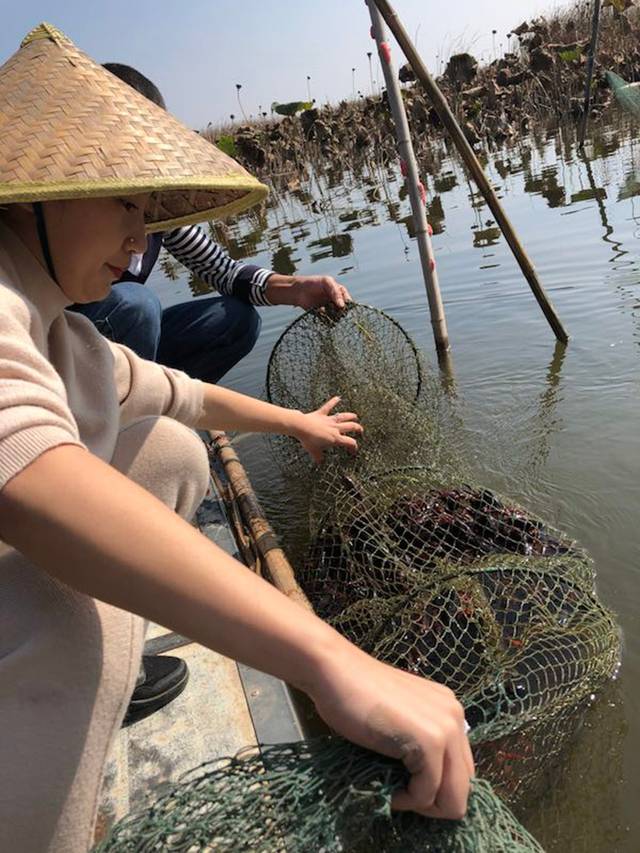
(291, 108)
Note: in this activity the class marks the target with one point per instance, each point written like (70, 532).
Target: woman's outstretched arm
(223, 409)
(91, 527)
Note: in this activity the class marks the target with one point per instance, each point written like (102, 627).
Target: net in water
(405, 552)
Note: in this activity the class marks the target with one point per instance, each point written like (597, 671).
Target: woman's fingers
(441, 765)
(349, 443)
(348, 422)
(351, 426)
(345, 416)
(336, 292)
(468, 757)
(325, 408)
(440, 788)
(426, 767)
(453, 795)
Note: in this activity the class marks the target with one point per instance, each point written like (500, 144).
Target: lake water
(557, 427)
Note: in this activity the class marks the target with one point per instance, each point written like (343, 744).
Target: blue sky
(197, 50)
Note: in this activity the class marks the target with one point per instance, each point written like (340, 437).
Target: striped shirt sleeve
(192, 247)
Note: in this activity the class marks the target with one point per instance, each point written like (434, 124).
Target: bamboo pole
(595, 29)
(414, 185)
(471, 161)
(273, 559)
(271, 555)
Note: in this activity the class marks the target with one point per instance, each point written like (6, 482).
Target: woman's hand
(317, 431)
(400, 715)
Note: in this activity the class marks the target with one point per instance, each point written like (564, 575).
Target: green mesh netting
(351, 348)
(627, 94)
(405, 553)
(323, 796)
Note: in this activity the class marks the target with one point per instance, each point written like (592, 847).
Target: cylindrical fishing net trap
(406, 554)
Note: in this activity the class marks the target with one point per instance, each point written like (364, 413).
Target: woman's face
(91, 242)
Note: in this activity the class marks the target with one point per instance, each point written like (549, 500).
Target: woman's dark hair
(137, 81)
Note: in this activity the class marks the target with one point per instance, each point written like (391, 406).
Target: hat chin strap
(44, 240)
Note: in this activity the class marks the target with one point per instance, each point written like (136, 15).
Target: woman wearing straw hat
(203, 337)
(98, 469)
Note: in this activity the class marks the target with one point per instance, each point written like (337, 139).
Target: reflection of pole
(594, 189)
(549, 402)
(595, 26)
(414, 185)
(616, 245)
(471, 161)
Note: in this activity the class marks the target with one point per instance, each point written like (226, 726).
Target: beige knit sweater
(61, 382)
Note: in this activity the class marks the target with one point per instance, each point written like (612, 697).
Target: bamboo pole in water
(272, 556)
(414, 185)
(466, 152)
(595, 29)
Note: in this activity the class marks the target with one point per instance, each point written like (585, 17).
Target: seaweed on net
(322, 796)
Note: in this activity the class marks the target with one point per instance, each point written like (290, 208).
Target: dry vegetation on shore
(541, 78)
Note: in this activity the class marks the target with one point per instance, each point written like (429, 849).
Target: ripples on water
(555, 427)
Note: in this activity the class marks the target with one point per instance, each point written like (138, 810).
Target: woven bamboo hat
(71, 129)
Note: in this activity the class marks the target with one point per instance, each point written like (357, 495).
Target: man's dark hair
(137, 81)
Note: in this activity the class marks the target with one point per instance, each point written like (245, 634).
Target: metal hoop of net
(357, 342)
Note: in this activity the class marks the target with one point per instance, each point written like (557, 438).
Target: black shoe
(162, 678)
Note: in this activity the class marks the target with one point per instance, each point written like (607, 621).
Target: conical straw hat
(71, 129)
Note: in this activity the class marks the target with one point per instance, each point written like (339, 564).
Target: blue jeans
(205, 337)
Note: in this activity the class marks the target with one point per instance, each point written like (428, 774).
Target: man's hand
(318, 431)
(306, 291)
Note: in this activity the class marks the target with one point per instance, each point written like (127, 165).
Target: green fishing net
(415, 561)
(321, 796)
(364, 343)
